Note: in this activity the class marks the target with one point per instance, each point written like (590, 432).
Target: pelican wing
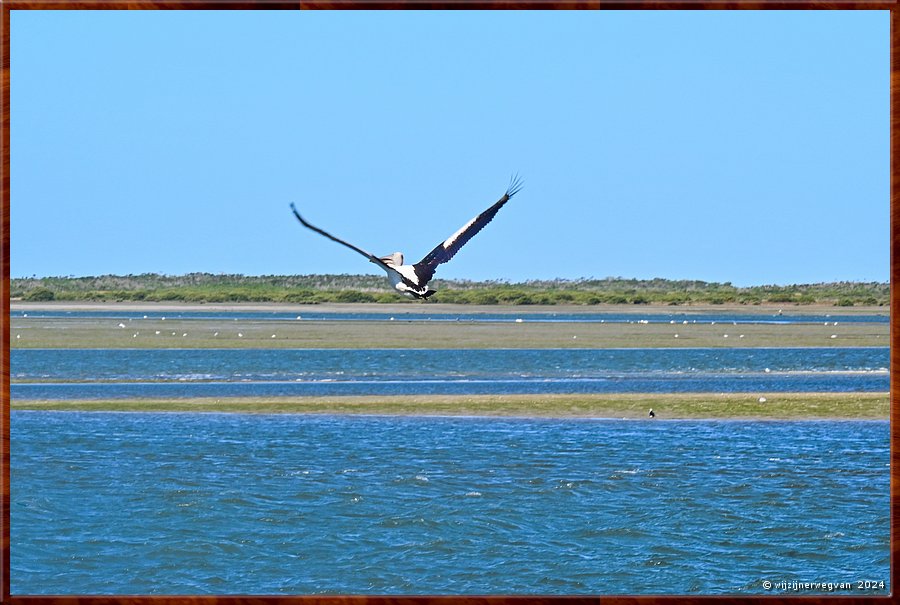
(444, 251)
(368, 255)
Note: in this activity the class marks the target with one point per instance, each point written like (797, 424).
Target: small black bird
(652, 414)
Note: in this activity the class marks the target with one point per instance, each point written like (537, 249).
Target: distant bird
(412, 280)
(652, 414)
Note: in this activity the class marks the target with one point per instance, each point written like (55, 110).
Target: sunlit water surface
(117, 373)
(231, 503)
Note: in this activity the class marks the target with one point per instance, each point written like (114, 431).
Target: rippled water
(99, 373)
(217, 503)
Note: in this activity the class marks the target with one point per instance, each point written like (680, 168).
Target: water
(443, 316)
(106, 503)
(98, 373)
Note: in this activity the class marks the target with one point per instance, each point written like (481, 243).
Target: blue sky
(746, 146)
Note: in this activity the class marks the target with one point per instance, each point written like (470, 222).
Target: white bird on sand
(412, 280)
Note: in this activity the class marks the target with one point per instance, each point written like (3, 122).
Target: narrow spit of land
(736, 406)
(154, 332)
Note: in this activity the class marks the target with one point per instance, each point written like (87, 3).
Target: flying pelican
(412, 280)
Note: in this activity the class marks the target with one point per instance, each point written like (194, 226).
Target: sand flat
(154, 333)
(736, 406)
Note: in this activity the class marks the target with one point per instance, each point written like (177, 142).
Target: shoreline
(631, 406)
(787, 309)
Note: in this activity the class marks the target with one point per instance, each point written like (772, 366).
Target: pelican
(412, 280)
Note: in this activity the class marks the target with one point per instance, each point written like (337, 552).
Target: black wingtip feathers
(515, 184)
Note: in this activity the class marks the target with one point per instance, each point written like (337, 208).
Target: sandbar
(735, 406)
(455, 333)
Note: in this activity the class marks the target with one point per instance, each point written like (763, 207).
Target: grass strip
(775, 406)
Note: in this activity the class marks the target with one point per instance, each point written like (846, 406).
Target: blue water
(227, 503)
(422, 315)
(106, 503)
(80, 374)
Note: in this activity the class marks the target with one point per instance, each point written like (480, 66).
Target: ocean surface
(179, 503)
(117, 373)
(106, 503)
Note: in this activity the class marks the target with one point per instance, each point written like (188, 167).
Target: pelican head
(394, 260)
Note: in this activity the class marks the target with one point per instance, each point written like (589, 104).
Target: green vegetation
(315, 289)
(781, 406)
(40, 295)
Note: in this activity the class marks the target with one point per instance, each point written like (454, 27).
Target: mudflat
(736, 406)
(151, 333)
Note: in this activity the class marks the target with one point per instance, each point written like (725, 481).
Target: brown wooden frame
(7, 5)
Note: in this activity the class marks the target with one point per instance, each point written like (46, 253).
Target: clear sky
(750, 147)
